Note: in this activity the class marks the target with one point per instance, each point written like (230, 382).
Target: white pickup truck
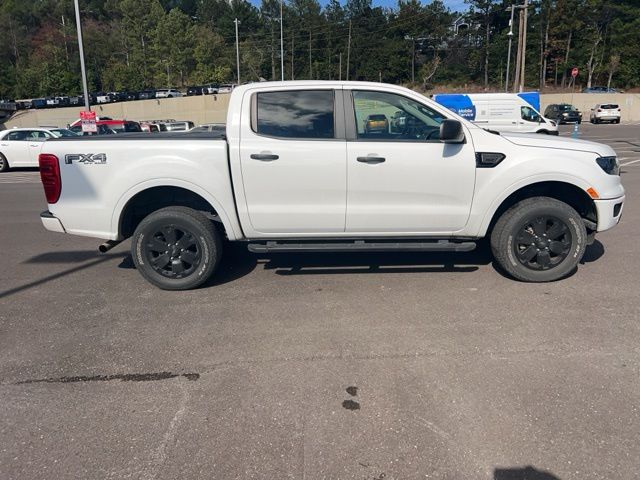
(333, 166)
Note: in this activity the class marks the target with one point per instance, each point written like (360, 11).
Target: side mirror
(451, 131)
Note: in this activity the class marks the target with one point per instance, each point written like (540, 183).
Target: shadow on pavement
(525, 473)
(593, 253)
(390, 262)
(56, 257)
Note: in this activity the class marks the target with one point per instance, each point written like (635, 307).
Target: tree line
(137, 44)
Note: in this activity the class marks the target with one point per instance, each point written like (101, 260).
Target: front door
(293, 162)
(401, 177)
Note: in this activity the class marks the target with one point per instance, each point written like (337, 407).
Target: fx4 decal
(86, 158)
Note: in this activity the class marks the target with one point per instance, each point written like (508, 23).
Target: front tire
(4, 164)
(176, 248)
(539, 239)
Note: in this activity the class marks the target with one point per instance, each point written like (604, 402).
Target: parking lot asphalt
(370, 366)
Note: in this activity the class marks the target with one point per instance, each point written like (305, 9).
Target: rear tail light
(50, 176)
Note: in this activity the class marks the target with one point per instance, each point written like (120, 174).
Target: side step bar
(362, 246)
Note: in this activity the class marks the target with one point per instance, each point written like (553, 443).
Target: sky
(454, 5)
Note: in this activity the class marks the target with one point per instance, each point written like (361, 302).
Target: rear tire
(4, 164)
(176, 248)
(539, 239)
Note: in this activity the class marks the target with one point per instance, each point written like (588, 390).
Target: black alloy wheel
(173, 252)
(542, 243)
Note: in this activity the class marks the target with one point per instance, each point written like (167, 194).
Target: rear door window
(296, 114)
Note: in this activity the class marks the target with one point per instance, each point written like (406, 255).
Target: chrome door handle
(265, 157)
(371, 159)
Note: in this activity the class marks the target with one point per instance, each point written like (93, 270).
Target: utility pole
(81, 50)
(281, 43)
(237, 50)
(292, 54)
(349, 51)
(516, 81)
(510, 35)
(340, 68)
(525, 6)
(413, 60)
(310, 70)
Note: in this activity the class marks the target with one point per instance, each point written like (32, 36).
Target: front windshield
(568, 108)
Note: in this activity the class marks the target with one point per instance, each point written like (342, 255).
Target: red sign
(88, 121)
(574, 72)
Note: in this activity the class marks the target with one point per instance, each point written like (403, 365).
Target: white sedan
(20, 147)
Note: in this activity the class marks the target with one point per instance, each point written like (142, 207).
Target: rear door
(293, 162)
(404, 180)
(36, 139)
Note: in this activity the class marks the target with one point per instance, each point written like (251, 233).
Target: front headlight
(609, 164)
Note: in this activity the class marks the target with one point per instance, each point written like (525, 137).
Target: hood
(558, 143)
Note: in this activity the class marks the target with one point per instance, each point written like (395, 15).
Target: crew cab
(297, 170)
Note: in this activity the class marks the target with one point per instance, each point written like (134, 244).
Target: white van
(502, 112)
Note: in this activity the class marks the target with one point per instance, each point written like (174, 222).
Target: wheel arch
(148, 197)
(563, 191)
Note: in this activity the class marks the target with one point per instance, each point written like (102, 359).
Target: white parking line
(629, 163)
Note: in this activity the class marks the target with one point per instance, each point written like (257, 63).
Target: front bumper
(609, 212)
(51, 222)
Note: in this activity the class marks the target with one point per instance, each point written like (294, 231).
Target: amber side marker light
(592, 193)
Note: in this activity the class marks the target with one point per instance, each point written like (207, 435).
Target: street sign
(88, 121)
(574, 72)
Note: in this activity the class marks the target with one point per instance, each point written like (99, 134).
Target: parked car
(376, 124)
(179, 126)
(52, 102)
(605, 112)
(153, 127)
(130, 96)
(147, 94)
(275, 184)
(563, 113)
(19, 147)
(24, 104)
(102, 97)
(601, 90)
(168, 93)
(39, 103)
(226, 87)
(210, 89)
(194, 90)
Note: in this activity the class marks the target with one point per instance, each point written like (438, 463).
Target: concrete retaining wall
(213, 108)
(199, 109)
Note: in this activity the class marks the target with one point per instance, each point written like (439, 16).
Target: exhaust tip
(108, 245)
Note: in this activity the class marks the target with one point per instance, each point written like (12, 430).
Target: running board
(362, 246)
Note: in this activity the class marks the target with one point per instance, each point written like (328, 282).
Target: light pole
(237, 49)
(510, 35)
(281, 44)
(524, 7)
(81, 50)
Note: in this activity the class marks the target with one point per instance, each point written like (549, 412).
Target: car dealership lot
(317, 366)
